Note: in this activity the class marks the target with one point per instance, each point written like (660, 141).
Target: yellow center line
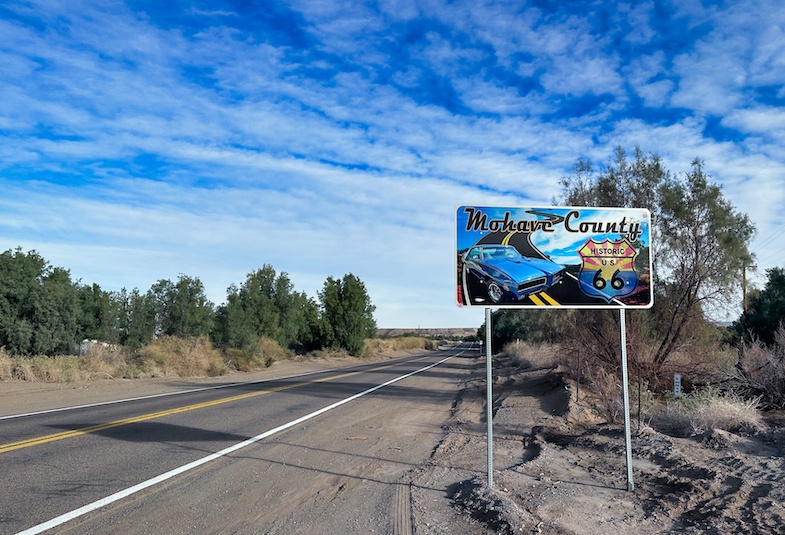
(550, 299)
(506, 240)
(45, 439)
(536, 300)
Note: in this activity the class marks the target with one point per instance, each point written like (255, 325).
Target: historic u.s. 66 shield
(608, 269)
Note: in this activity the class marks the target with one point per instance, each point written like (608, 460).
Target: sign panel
(576, 257)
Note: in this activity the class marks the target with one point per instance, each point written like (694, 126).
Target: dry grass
(376, 346)
(170, 356)
(40, 368)
(532, 355)
(6, 365)
(708, 409)
(262, 356)
(105, 363)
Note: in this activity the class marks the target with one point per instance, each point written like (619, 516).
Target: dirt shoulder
(559, 471)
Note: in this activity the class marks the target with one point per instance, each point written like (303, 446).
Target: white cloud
(214, 152)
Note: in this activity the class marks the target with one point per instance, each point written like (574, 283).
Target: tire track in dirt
(402, 509)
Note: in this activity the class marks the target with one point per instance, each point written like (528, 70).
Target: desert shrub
(129, 370)
(603, 391)
(704, 410)
(6, 365)
(98, 363)
(61, 369)
(242, 360)
(761, 371)
(594, 341)
(170, 356)
(269, 351)
(608, 391)
(528, 355)
(104, 362)
(261, 356)
(376, 346)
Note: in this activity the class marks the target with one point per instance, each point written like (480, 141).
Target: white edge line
(62, 519)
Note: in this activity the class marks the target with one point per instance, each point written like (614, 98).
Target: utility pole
(744, 298)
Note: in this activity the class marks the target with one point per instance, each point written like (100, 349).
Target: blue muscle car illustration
(509, 276)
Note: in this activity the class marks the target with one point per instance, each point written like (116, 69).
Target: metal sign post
(489, 394)
(626, 397)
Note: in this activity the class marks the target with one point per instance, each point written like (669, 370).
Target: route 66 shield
(608, 269)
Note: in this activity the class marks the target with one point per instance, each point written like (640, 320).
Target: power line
(775, 234)
(769, 258)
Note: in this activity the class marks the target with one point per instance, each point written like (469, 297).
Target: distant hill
(457, 332)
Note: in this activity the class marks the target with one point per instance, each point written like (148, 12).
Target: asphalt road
(160, 465)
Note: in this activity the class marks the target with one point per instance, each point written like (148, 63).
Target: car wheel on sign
(495, 292)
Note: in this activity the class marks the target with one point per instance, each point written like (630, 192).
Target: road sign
(534, 257)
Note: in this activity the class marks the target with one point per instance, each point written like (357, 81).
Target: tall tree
(766, 312)
(699, 242)
(137, 323)
(39, 305)
(266, 305)
(100, 314)
(705, 246)
(182, 308)
(348, 313)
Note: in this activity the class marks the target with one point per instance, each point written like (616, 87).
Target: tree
(705, 246)
(266, 305)
(766, 312)
(56, 317)
(182, 308)
(137, 318)
(100, 314)
(535, 326)
(348, 313)
(39, 305)
(700, 244)
(234, 325)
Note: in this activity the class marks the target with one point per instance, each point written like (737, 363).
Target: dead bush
(601, 389)
(170, 356)
(104, 362)
(704, 410)
(595, 341)
(269, 351)
(607, 387)
(761, 371)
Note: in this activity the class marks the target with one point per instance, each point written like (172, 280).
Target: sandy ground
(557, 470)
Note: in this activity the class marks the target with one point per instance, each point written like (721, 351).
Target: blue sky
(142, 140)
